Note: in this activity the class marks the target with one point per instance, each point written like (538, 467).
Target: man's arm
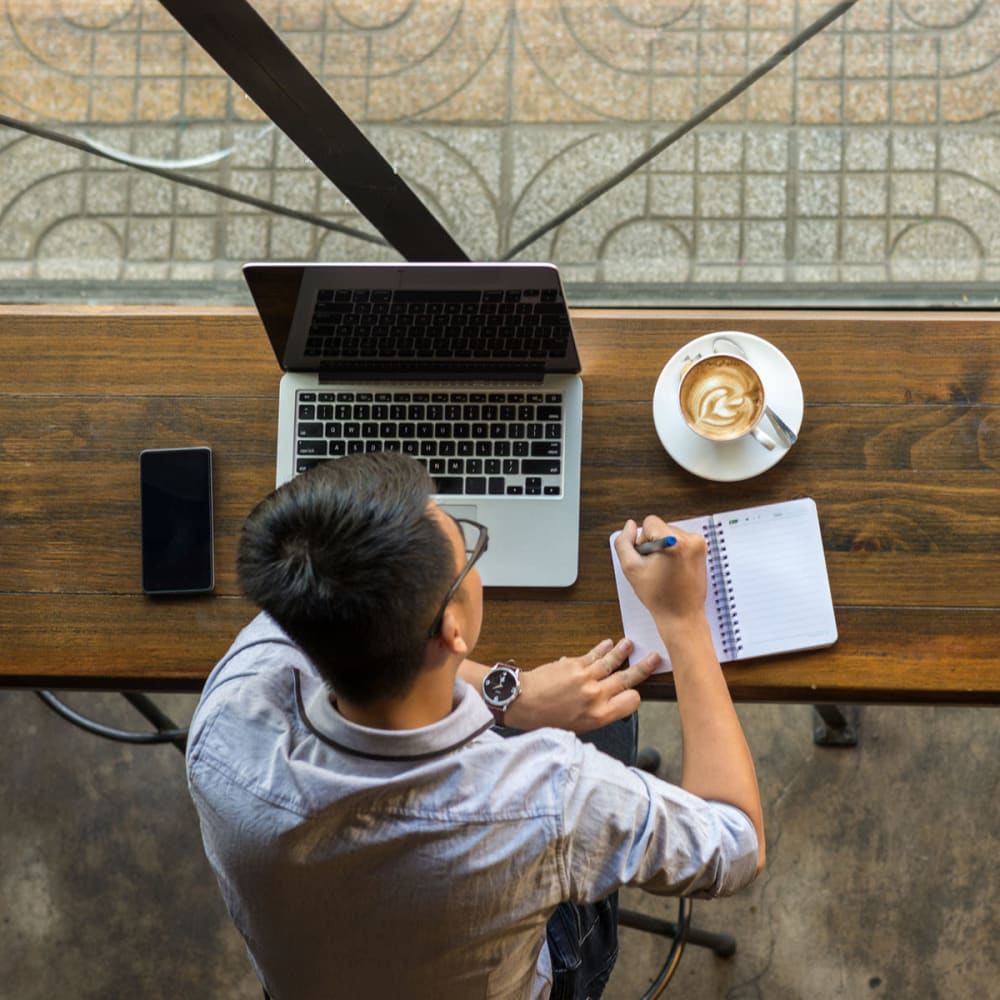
(578, 693)
(717, 764)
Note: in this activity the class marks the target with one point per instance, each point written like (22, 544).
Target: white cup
(722, 397)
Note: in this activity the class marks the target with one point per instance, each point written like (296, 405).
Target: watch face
(500, 685)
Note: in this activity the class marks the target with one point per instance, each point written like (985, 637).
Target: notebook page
(637, 622)
(781, 593)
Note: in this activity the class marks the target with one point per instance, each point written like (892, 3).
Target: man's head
(354, 561)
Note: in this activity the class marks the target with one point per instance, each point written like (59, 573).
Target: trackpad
(468, 511)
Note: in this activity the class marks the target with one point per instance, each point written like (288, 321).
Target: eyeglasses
(476, 539)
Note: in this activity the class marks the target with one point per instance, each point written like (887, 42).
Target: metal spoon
(784, 431)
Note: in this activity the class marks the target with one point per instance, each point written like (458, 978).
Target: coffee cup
(722, 397)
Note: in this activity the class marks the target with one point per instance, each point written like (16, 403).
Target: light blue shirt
(360, 862)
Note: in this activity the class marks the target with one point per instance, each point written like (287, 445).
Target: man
(372, 833)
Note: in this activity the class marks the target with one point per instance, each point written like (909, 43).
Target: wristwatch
(500, 689)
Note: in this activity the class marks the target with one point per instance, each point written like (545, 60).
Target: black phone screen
(175, 486)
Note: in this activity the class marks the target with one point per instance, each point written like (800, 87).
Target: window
(864, 168)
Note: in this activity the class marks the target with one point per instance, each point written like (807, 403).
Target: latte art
(721, 397)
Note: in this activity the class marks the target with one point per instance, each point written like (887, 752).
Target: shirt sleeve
(626, 827)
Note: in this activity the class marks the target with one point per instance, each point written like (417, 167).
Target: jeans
(583, 946)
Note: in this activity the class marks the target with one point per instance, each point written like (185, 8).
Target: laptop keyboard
(492, 443)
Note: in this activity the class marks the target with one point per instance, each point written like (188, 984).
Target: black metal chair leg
(836, 725)
(724, 945)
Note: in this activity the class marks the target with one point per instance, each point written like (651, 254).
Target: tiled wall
(871, 157)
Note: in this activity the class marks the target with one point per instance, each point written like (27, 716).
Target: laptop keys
(472, 444)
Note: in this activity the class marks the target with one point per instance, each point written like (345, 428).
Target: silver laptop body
(470, 367)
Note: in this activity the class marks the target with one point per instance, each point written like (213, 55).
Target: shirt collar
(468, 719)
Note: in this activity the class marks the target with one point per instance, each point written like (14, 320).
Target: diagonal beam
(247, 48)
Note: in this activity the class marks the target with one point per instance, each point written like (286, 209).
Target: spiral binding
(720, 579)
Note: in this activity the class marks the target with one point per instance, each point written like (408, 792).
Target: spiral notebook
(768, 589)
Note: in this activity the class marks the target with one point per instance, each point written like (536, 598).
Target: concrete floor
(880, 880)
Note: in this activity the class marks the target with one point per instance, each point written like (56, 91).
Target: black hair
(348, 561)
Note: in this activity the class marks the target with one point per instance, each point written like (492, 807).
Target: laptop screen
(391, 321)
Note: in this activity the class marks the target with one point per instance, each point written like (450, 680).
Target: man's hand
(578, 693)
(670, 582)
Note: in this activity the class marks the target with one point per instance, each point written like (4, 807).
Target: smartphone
(175, 494)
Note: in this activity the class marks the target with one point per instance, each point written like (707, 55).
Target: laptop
(472, 368)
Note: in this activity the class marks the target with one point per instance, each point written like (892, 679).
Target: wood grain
(900, 448)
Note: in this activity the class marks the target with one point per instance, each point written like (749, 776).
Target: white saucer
(727, 461)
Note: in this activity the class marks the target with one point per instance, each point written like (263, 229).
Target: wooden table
(900, 448)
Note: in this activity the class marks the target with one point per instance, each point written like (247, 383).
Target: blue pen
(644, 548)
